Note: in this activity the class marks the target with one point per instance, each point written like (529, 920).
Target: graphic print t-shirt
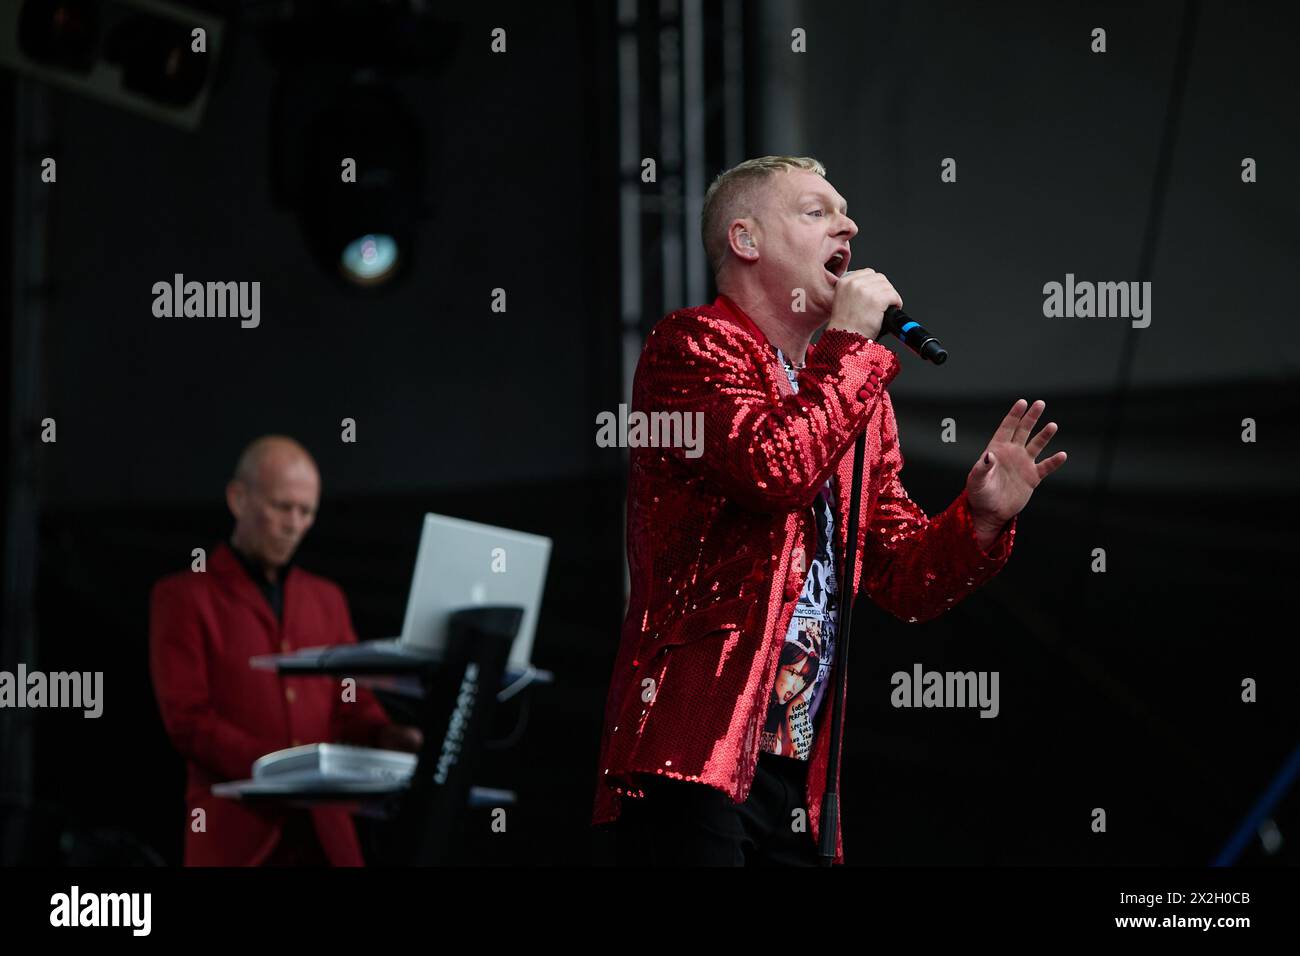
(806, 656)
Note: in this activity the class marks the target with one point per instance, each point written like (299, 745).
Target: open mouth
(837, 265)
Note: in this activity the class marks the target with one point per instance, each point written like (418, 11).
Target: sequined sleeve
(768, 453)
(917, 567)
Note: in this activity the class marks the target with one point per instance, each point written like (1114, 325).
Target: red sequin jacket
(718, 544)
(222, 715)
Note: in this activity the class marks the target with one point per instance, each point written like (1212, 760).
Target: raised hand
(1004, 478)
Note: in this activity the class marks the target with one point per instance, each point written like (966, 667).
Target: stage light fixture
(361, 228)
(60, 34)
(370, 259)
(155, 58)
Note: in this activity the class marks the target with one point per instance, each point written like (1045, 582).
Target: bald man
(219, 712)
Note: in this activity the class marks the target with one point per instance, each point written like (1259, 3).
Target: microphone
(914, 336)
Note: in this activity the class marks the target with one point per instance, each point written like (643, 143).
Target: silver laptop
(463, 564)
(459, 564)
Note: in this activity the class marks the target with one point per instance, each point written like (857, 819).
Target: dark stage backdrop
(458, 409)
(1119, 690)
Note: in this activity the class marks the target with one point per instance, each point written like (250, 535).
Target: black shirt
(274, 593)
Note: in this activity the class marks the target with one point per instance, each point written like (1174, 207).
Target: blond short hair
(731, 196)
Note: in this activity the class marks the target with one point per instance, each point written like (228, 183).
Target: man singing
(716, 725)
(219, 712)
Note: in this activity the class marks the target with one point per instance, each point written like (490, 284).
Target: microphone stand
(831, 798)
(927, 347)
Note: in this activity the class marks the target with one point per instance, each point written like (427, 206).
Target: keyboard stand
(455, 714)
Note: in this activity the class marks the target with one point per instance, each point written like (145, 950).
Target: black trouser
(692, 824)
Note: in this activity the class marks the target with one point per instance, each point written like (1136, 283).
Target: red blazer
(222, 715)
(718, 544)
